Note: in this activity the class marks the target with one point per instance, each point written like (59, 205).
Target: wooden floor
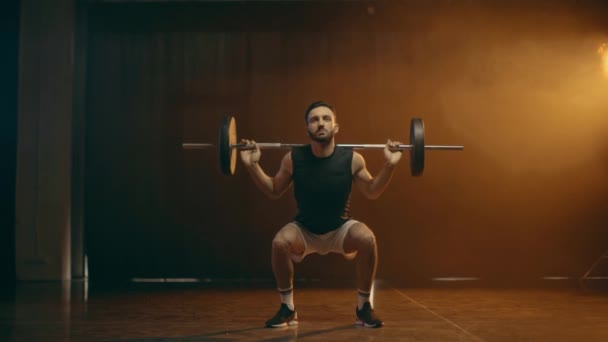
(49, 312)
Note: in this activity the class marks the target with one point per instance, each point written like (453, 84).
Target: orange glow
(603, 51)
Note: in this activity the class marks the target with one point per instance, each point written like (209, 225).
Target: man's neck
(322, 150)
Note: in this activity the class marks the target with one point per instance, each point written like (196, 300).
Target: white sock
(362, 297)
(287, 297)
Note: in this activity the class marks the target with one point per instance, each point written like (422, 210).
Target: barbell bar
(241, 146)
(227, 146)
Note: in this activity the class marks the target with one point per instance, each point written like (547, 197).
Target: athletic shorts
(331, 242)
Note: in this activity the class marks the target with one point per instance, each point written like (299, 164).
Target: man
(322, 175)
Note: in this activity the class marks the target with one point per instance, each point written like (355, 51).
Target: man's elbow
(274, 195)
(373, 195)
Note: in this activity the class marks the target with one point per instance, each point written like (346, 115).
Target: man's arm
(273, 187)
(373, 187)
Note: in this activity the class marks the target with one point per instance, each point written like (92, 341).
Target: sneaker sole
(291, 323)
(283, 325)
(361, 323)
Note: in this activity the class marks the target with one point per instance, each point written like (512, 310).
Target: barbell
(227, 146)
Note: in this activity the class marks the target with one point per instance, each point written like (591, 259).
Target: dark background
(9, 61)
(519, 83)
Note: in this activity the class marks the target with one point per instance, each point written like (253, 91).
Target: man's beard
(324, 139)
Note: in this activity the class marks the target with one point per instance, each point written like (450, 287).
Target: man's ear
(336, 128)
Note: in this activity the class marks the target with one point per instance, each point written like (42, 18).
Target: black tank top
(322, 188)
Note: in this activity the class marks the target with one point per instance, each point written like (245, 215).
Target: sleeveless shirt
(322, 188)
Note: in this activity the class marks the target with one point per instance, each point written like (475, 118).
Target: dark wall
(8, 133)
(519, 85)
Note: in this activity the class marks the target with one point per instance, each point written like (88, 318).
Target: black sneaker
(283, 318)
(367, 318)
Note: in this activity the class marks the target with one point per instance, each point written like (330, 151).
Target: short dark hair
(315, 105)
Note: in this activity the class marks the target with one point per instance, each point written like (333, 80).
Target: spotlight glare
(603, 52)
(605, 63)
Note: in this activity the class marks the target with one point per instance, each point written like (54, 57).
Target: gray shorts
(323, 244)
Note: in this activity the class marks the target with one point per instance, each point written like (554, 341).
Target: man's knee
(286, 240)
(281, 243)
(367, 239)
(361, 238)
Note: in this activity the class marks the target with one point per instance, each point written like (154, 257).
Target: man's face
(321, 125)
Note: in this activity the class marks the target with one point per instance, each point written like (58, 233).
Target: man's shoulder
(358, 161)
